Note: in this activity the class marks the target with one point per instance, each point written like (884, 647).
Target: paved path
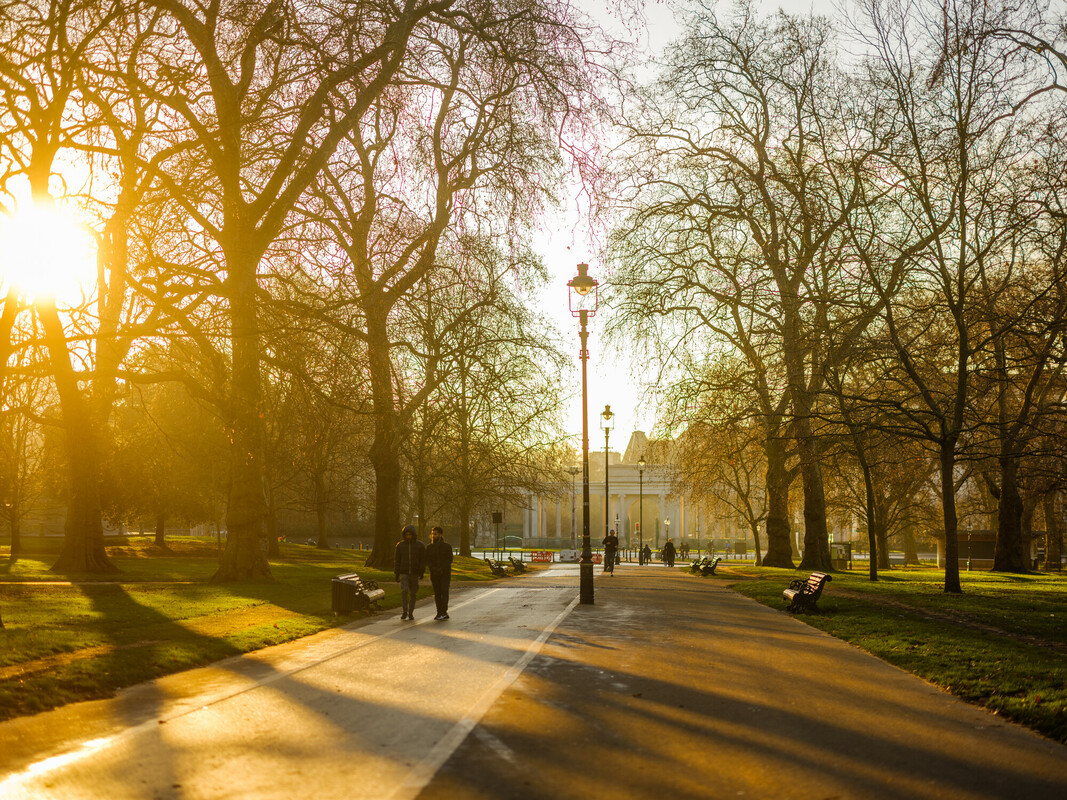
(670, 685)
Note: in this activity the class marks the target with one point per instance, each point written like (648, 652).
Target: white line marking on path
(424, 771)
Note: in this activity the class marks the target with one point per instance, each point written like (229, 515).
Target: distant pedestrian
(668, 553)
(646, 555)
(409, 566)
(439, 560)
(611, 547)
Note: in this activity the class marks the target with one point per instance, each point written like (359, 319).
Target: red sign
(541, 555)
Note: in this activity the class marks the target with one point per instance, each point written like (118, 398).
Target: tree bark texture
(1011, 552)
(1053, 508)
(245, 556)
(872, 519)
(948, 507)
(385, 449)
(911, 550)
(779, 550)
(83, 532)
(754, 529)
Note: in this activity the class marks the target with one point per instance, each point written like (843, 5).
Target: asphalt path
(668, 685)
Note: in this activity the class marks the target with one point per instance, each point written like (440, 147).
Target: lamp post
(666, 529)
(574, 512)
(607, 421)
(581, 287)
(641, 508)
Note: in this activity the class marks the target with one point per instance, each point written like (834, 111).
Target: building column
(559, 519)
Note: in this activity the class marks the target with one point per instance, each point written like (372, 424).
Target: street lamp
(666, 529)
(607, 422)
(574, 530)
(641, 507)
(582, 302)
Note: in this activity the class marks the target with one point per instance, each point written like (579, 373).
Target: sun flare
(45, 252)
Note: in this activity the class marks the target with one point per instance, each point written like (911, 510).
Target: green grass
(999, 669)
(63, 643)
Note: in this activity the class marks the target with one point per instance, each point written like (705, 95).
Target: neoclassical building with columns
(553, 519)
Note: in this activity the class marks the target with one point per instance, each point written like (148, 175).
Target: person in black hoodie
(409, 565)
(439, 560)
(611, 547)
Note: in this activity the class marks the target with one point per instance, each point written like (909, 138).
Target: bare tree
(946, 92)
(465, 145)
(261, 94)
(745, 178)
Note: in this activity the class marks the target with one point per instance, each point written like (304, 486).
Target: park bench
(517, 565)
(697, 566)
(352, 593)
(709, 567)
(498, 568)
(804, 594)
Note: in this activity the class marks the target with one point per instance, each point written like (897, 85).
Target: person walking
(611, 547)
(668, 553)
(439, 561)
(646, 555)
(409, 566)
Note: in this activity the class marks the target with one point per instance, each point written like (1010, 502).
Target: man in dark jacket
(409, 565)
(611, 547)
(439, 560)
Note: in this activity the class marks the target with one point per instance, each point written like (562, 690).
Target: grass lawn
(1001, 644)
(64, 642)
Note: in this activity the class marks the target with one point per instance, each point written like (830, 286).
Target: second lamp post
(607, 422)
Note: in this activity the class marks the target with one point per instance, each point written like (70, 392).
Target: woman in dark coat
(668, 553)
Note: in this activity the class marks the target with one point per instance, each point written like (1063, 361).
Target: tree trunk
(245, 555)
(816, 540)
(1053, 506)
(881, 531)
(384, 451)
(161, 525)
(872, 520)
(911, 550)
(274, 550)
(1011, 551)
(948, 506)
(7, 322)
(754, 527)
(386, 465)
(779, 550)
(83, 532)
